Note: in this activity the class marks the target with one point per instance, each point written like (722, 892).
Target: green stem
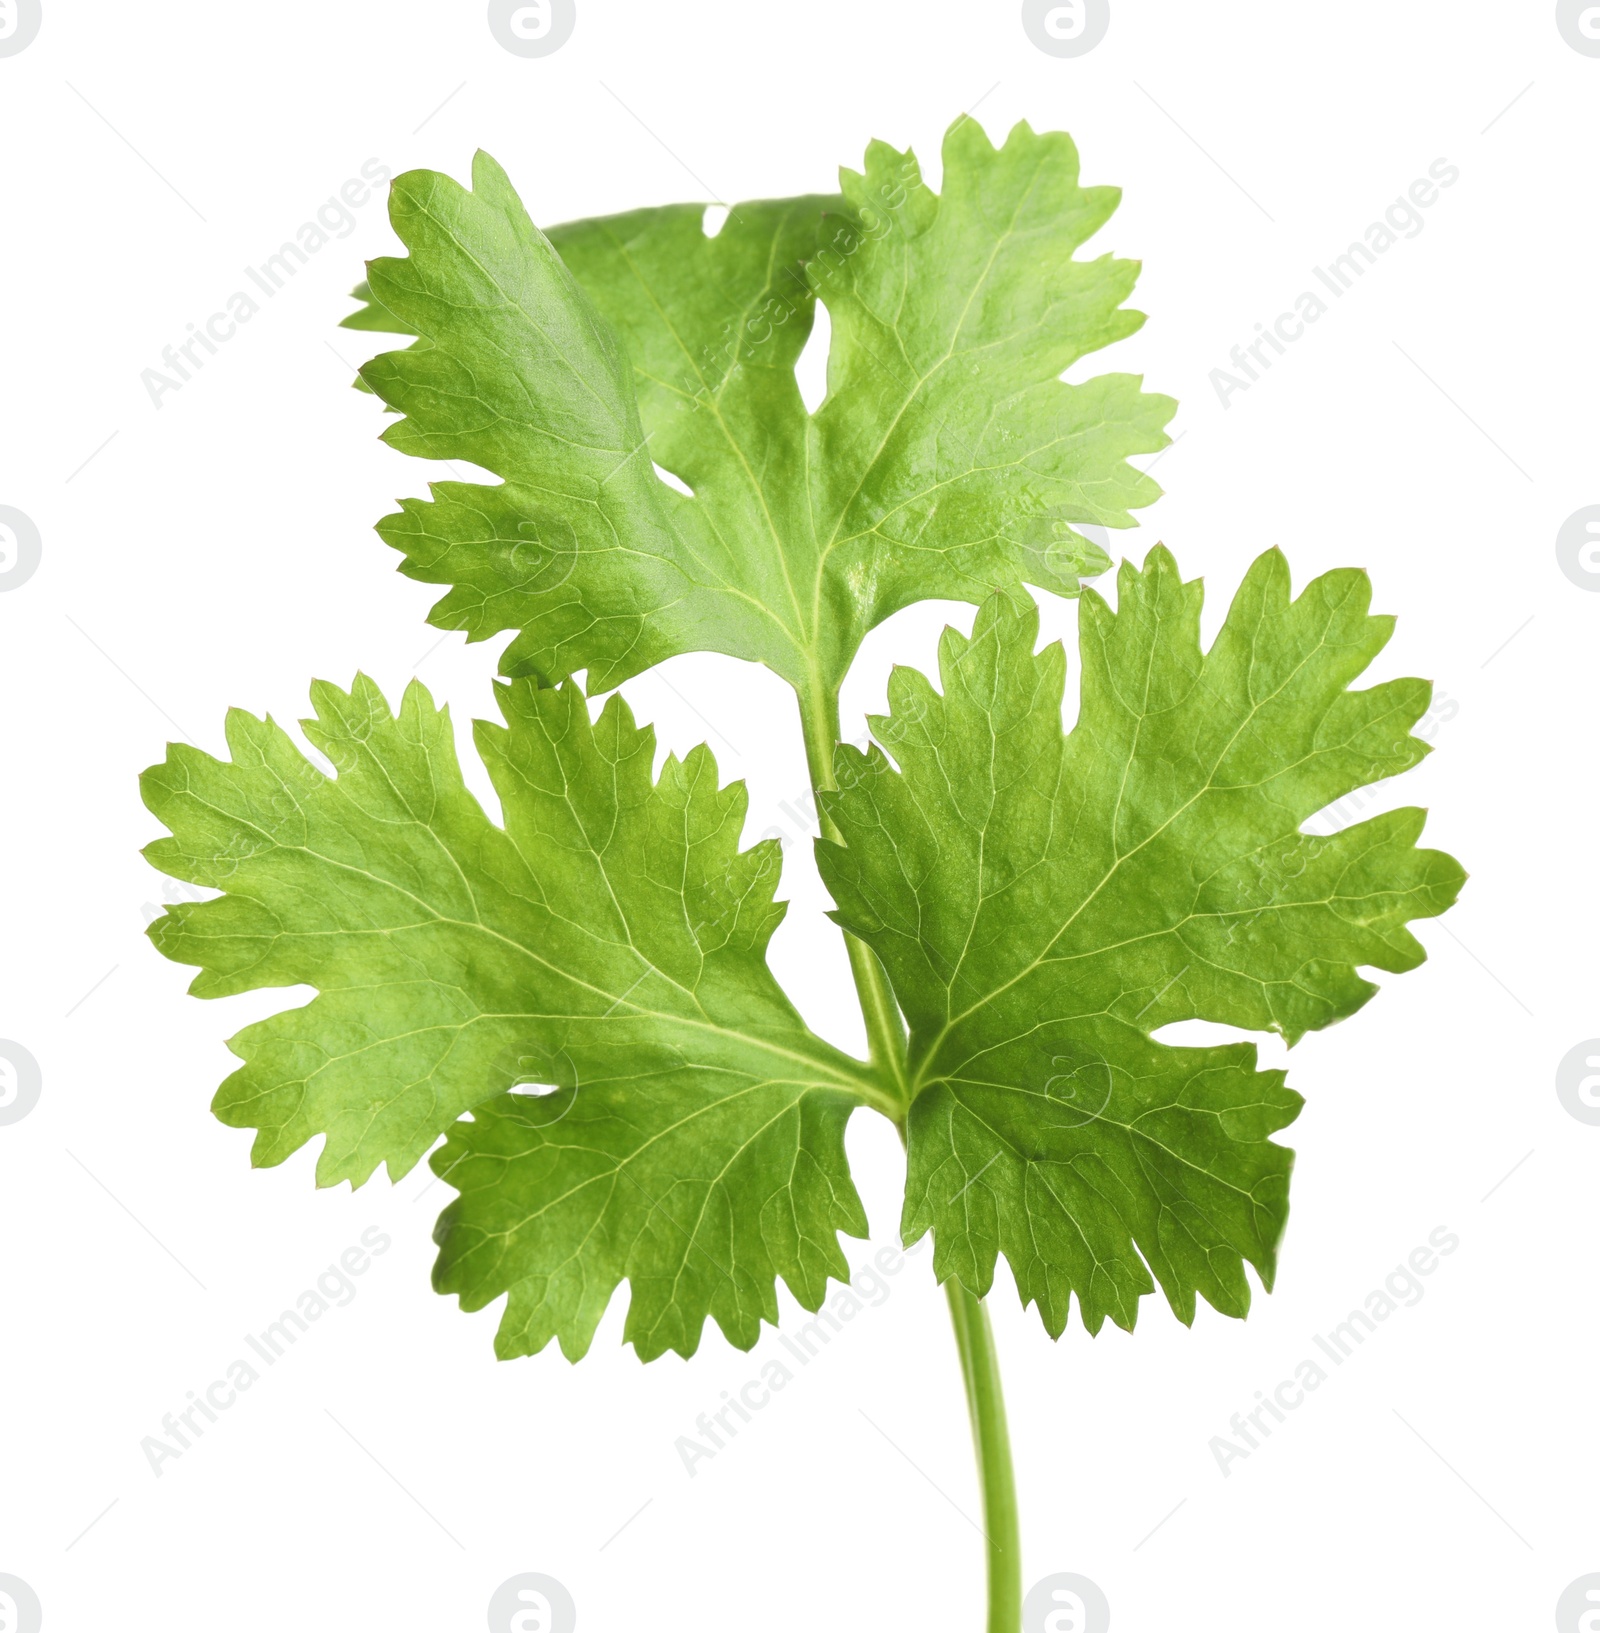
(980, 1369)
(886, 1033)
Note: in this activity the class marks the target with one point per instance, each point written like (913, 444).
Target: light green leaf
(948, 460)
(949, 457)
(1044, 902)
(609, 941)
(518, 373)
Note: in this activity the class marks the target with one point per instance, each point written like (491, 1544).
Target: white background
(218, 551)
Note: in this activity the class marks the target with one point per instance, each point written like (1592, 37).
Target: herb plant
(1023, 907)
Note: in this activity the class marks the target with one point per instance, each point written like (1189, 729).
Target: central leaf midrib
(844, 1079)
(1208, 786)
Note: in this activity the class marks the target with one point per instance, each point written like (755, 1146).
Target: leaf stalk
(886, 1032)
(980, 1370)
(980, 1366)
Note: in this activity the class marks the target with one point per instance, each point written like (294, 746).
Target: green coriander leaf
(1045, 901)
(608, 941)
(370, 318)
(517, 372)
(583, 549)
(949, 458)
(949, 455)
